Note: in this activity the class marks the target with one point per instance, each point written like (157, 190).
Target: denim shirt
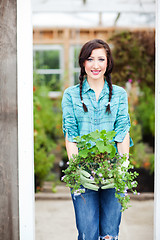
(76, 122)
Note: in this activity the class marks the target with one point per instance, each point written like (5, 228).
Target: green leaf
(93, 149)
(83, 153)
(108, 148)
(88, 145)
(85, 136)
(110, 135)
(95, 134)
(81, 144)
(100, 146)
(113, 152)
(103, 131)
(103, 134)
(78, 139)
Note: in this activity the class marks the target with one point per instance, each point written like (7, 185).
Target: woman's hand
(108, 183)
(87, 180)
(71, 148)
(123, 148)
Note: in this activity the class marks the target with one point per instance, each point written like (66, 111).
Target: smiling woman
(96, 104)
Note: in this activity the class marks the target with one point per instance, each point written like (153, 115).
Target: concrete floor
(55, 220)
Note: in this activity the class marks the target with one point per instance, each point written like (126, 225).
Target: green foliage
(134, 58)
(97, 155)
(48, 134)
(134, 62)
(145, 111)
(141, 153)
(43, 127)
(50, 80)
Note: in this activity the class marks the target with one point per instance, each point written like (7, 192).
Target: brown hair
(85, 53)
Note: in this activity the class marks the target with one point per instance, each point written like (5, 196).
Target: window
(48, 64)
(74, 65)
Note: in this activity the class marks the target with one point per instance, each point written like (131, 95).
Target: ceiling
(92, 13)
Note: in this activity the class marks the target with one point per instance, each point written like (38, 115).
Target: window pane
(76, 78)
(76, 55)
(52, 80)
(46, 59)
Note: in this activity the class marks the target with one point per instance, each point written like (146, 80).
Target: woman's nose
(95, 64)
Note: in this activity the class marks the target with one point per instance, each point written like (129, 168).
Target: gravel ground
(55, 220)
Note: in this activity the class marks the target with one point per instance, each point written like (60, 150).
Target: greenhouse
(40, 47)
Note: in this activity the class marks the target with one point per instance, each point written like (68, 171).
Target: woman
(96, 104)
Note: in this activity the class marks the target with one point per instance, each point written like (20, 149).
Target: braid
(108, 78)
(81, 78)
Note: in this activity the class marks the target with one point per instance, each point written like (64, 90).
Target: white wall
(25, 119)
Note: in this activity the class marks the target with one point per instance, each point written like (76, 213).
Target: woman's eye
(89, 59)
(101, 59)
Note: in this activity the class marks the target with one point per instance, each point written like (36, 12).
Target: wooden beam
(58, 35)
(9, 207)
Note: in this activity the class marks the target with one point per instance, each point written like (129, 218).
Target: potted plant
(98, 157)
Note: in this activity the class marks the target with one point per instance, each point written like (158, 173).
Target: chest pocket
(79, 111)
(113, 107)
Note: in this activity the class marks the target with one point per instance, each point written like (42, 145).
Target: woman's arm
(123, 147)
(71, 148)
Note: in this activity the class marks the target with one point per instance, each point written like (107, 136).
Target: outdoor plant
(134, 57)
(134, 66)
(43, 128)
(98, 156)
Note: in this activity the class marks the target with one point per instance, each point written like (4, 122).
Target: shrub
(134, 58)
(134, 68)
(43, 128)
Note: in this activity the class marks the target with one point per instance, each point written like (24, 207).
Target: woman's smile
(95, 72)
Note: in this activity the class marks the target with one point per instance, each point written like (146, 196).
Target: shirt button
(95, 120)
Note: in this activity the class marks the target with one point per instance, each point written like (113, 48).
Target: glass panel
(76, 78)
(76, 55)
(52, 80)
(46, 59)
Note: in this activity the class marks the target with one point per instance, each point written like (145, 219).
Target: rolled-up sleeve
(69, 122)
(122, 123)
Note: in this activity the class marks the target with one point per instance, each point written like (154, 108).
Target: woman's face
(95, 66)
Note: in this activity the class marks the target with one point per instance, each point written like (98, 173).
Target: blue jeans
(98, 214)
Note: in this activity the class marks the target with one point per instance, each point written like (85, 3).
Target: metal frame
(77, 6)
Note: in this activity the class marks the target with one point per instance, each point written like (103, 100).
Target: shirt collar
(86, 87)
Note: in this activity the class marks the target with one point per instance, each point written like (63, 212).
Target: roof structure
(93, 13)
